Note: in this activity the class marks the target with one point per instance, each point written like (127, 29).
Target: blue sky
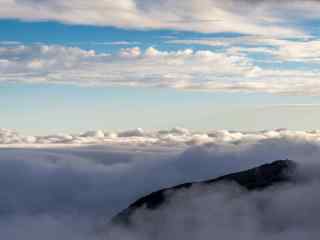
(238, 65)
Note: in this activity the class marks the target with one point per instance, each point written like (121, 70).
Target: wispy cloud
(115, 43)
(304, 50)
(250, 17)
(9, 43)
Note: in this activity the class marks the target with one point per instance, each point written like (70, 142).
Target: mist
(73, 192)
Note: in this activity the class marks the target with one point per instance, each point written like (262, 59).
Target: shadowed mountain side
(253, 179)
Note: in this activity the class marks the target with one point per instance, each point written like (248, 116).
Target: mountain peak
(256, 178)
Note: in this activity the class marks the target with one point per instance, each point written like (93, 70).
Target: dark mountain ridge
(256, 178)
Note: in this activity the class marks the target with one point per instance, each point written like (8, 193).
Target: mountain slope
(253, 179)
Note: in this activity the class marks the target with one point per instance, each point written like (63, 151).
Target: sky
(70, 66)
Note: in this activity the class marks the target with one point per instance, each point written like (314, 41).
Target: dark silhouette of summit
(256, 178)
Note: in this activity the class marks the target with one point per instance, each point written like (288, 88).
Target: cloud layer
(176, 137)
(231, 70)
(253, 17)
(72, 192)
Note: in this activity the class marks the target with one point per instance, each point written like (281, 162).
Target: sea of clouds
(175, 137)
(69, 186)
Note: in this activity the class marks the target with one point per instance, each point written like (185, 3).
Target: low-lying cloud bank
(72, 192)
(175, 137)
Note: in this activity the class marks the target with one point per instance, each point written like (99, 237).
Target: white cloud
(176, 137)
(186, 69)
(307, 51)
(295, 50)
(130, 67)
(303, 50)
(253, 17)
(205, 42)
(130, 52)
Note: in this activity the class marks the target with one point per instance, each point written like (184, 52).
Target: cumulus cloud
(140, 138)
(131, 66)
(253, 17)
(71, 192)
(205, 70)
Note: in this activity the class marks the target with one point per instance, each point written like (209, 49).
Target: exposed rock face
(253, 179)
